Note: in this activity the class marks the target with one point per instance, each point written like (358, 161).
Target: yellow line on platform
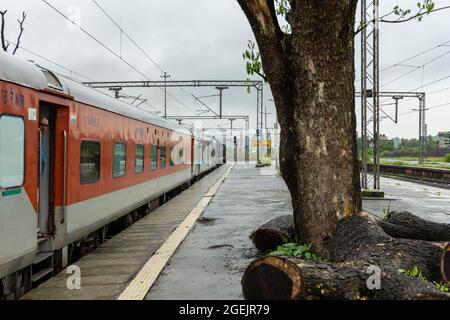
(144, 280)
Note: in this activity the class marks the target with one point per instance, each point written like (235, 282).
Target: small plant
(296, 250)
(415, 272)
(444, 287)
(386, 211)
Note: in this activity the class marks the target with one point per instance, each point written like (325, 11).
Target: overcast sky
(196, 39)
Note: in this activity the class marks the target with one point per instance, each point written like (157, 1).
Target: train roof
(28, 74)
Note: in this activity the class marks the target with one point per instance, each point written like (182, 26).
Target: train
(73, 161)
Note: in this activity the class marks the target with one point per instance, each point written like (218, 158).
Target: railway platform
(108, 270)
(206, 255)
(210, 263)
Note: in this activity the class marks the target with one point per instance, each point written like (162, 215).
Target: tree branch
(2, 32)
(262, 17)
(420, 14)
(24, 16)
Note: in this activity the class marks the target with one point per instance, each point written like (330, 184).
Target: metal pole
(247, 141)
(364, 142)
(257, 129)
(424, 129)
(376, 97)
(277, 164)
(165, 76)
(260, 111)
(221, 88)
(220, 109)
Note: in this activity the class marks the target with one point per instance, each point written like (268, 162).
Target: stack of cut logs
(361, 247)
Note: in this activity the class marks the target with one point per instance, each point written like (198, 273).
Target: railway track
(419, 174)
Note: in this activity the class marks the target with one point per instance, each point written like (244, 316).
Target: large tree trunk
(311, 73)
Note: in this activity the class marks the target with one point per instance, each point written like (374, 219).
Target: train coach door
(46, 151)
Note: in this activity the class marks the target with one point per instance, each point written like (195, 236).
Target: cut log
(274, 233)
(289, 278)
(403, 224)
(358, 243)
(360, 238)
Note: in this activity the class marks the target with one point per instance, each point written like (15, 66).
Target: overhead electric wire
(415, 56)
(142, 51)
(443, 44)
(112, 51)
(128, 36)
(416, 68)
(95, 39)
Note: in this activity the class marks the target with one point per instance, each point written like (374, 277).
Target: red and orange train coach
(98, 160)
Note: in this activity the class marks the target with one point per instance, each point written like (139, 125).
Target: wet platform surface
(106, 271)
(211, 261)
(428, 202)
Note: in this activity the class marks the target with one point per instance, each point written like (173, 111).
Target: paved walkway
(210, 263)
(106, 271)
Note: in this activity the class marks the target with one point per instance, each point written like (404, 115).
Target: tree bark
(445, 264)
(288, 278)
(311, 73)
(408, 226)
(273, 233)
(360, 238)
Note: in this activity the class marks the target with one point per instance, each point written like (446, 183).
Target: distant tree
(4, 41)
(387, 145)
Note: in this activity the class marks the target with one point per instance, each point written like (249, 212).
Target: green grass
(415, 272)
(424, 165)
(447, 158)
(444, 287)
(427, 159)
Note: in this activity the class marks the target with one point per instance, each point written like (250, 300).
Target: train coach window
(171, 155)
(139, 161)
(119, 160)
(89, 162)
(12, 151)
(153, 157)
(162, 156)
